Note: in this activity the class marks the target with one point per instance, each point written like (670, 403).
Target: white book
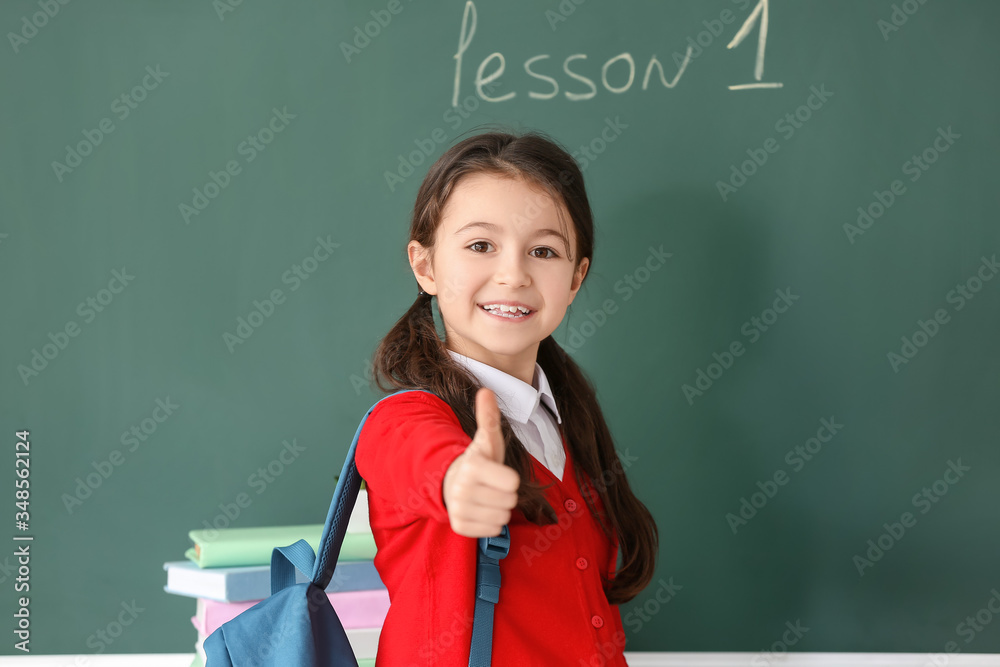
(364, 641)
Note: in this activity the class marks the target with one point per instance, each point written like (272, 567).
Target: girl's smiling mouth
(506, 311)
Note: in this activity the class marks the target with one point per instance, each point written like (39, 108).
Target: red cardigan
(552, 609)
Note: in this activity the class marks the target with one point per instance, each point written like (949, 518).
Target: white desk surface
(634, 660)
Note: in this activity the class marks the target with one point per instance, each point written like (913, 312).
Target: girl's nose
(512, 271)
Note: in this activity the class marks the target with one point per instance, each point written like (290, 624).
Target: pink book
(355, 609)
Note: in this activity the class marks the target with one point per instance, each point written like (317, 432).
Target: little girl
(511, 433)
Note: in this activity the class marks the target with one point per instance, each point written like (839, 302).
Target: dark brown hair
(413, 356)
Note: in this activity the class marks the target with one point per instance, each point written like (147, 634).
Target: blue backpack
(298, 626)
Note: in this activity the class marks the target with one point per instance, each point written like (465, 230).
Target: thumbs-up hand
(479, 490)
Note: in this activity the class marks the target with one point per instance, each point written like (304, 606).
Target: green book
(234, 547)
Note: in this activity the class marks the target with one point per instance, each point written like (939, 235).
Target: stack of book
(229, 571)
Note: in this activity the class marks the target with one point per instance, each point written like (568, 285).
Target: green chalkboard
(791, 316)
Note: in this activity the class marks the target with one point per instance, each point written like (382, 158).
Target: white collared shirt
(525, 405)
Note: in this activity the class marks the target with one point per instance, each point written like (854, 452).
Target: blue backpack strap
(285, 560)
(344, 498)
(489, 551)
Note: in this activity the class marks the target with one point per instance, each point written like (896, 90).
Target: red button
(597, 621)
(570, 505)
(581, 563)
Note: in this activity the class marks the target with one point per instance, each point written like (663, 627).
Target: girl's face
(500, 240)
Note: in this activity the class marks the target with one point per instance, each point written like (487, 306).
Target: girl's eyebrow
(489, 226)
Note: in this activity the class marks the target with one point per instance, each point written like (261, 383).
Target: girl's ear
(421, 266)
(578, 276)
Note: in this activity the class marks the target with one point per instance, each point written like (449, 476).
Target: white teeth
(507, 309)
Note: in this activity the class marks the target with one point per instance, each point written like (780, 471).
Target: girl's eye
(552, 254)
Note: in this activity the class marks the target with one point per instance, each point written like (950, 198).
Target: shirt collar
(517, 399)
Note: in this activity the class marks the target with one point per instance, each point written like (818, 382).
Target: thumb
(489, 438)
